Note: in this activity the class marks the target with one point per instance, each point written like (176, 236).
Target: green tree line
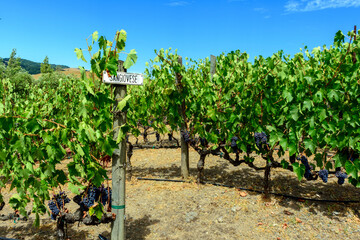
(30, 66)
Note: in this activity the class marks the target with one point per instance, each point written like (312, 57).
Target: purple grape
(323, 174)
(341, 177)
(57, 202)
(260, 139)
(233, 144)
(87, 199)
(186, 136)
(308, 175)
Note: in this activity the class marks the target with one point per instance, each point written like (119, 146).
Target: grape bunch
(56, 203)
(233, 144)
(186, 136)
(260, 139)
(93, 194)
(157, 137)
(305, 161)
(90, 198)
(323, 174)
(341, 177)
(170, 136)
(105, 195)
(54, 209)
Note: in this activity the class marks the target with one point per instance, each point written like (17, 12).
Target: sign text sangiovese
(124, 78)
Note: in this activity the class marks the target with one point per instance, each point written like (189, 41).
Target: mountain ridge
(34, 67)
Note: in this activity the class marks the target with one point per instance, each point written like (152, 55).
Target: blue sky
(196, 28)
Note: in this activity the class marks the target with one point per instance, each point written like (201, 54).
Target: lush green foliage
(307, 104)
(51, 80)
(37, 130)
(20, 79)
(22, 82)
(13, 65)
(45, 66)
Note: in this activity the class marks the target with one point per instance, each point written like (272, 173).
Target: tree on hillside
(45, 66)
(2, 69)
(13, 65)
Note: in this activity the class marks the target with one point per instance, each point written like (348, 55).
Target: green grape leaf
(339, 38)
(299, 169)
(112, 66)
(351, 169)
(122, 104)
(79, 54)
(124, 129)
(74, 188)
(130, 59)
(310, 145)
(95, 36)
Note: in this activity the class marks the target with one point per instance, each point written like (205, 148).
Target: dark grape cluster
(93, 194)
(341, 177)
(170, 136)
(186, 136)
(157, 137)
(54, 209)
(260, 139)
(323, 174)
(105, 195)
(233, 144)
(2, 204)
(56, 203)
(305, 161)
(89, 200)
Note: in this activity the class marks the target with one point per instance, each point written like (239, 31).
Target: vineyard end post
(119, 166)
(212, 65)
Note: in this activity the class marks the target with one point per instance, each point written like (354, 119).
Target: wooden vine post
(119, 155)
(354, 54)
(183, 129)
(212, 65)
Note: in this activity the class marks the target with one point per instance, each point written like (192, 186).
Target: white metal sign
(124, 78)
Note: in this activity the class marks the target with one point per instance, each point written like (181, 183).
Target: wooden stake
(354, 54)
(212, 65)
(119, 167)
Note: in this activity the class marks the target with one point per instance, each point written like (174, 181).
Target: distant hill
(34, 67)
(67, 71)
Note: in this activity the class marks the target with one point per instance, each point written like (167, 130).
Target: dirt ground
(170, 210)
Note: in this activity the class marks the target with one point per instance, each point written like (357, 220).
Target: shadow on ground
(136, 229)
(282, 182)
